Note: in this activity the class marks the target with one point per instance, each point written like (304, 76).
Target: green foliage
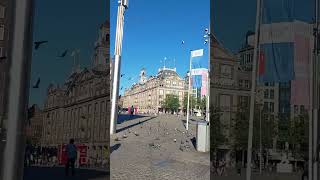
(171, 102)
(193, 101)
(268, 129)
(240, 128)
(216, 129)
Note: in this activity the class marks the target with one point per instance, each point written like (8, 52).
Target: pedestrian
(132, 110)
(305, 171)
(71, 157)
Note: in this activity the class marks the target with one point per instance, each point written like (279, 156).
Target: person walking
(131, 111)
(71, 150)
(305, 171)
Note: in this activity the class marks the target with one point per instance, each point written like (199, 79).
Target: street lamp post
(20, 48)
(122, 6)
(207, 37)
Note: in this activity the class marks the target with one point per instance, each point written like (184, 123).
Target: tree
(171, 102)
(298, 136)
(193, 101)
(203, 103)
(240, 128)
(217, 137)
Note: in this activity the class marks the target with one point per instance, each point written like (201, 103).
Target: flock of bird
(37, 45)
(160, 133)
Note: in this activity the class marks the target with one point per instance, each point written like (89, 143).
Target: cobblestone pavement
(157, 148)
(232, 175)
(57, 173)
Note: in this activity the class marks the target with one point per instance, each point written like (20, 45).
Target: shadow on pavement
(57, 173)
(127, 117)
(132, 125)
(115, 147)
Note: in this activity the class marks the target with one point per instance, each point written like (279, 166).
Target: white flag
(197, 53)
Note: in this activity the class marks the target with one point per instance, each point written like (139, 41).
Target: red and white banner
(82, 154)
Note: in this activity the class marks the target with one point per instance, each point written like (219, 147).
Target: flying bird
(121, 75)
(206, 41)
(36, 85)
(182, 42)
(64, 54)
(38, 43)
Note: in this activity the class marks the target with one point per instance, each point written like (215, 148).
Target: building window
(296, 109)
(241, 83)
(271, 105)
(2, 11)
(265, 107)
(247, 84)
(226, 70)
(271, 94)
(266, 93)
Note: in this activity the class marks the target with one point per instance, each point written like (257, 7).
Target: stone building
(79, 108)
(229, 88)
(35, 126)
(148, 94)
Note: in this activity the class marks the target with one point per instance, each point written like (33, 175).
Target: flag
(300, 86)
(277, 62)
(197, 81)
(196, 59)
(197, 53)
(261, 70)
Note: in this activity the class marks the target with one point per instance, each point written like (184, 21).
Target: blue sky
(154, 30)
(232, 19)
(66, 25)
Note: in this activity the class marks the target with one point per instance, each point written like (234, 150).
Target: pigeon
(121, 75)
(83, 117)
(174, 140)
(38, 43)
(64, 54)
(124, 136)
(135, 133)
(36, 85)
(206, 30)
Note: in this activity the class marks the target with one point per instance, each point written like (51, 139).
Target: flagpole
(253, 90)
(315, 93)
(189, 87)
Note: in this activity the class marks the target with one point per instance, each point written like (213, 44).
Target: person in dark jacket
(71, 150)
(305, 170)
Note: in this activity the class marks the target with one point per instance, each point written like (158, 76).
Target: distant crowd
(36, 155)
